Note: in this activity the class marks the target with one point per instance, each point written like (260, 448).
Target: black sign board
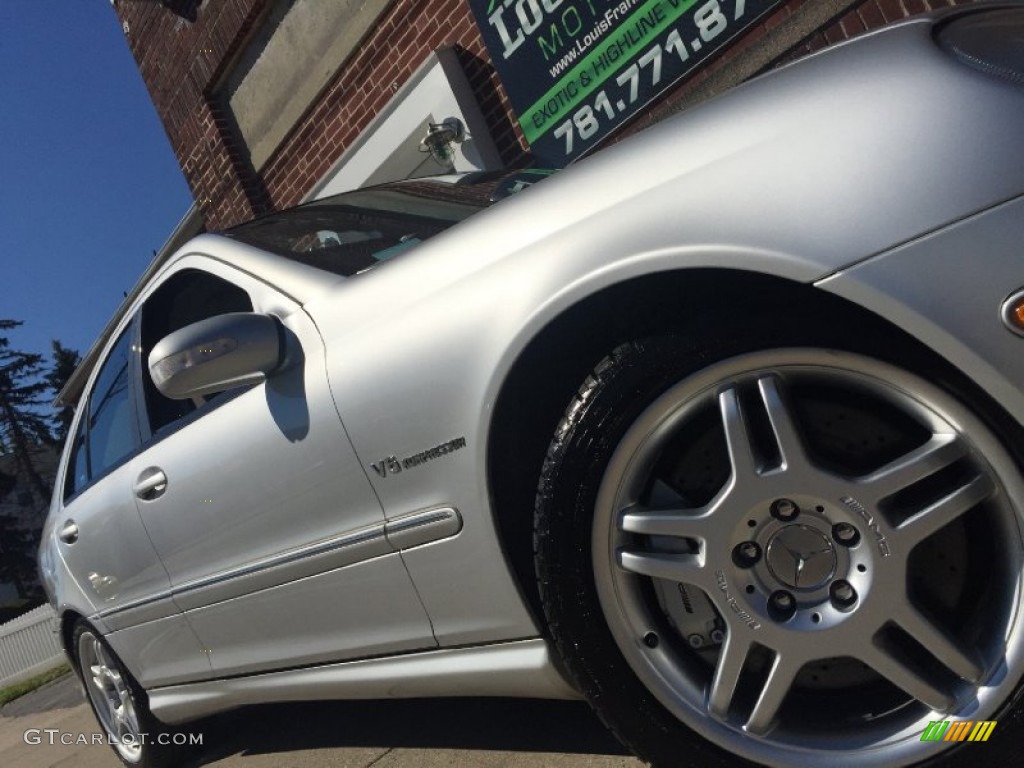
(576, 69)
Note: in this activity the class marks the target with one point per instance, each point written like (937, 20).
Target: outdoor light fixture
(440, 137)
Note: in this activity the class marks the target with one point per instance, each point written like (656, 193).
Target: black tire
(157, 746)
(611, 404)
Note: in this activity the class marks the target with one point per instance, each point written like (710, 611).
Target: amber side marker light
(1013, 312)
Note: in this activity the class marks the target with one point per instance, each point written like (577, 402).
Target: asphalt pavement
(453, 733)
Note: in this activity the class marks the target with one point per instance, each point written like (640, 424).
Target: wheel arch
(69, 619)
(548, 370)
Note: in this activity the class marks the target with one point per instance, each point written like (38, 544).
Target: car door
(101, 537)
(268, 528)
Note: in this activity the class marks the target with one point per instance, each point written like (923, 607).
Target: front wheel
(805, 556)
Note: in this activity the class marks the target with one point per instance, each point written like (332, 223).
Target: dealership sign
(577, 69)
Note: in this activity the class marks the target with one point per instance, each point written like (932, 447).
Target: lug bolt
(843, 594)
(746, 554)
(695, 640)
(782, 604)
(651, 640)
(845, 534)
(784, 509)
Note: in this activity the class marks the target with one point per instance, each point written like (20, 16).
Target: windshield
(349, 233)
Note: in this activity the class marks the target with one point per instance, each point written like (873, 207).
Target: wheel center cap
(801, 557)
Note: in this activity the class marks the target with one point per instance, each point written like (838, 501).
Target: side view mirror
(215, 354)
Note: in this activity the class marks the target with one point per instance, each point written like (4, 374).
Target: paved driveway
(455, 733)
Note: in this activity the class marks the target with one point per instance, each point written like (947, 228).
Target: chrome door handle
(69, 533)
(151, 484)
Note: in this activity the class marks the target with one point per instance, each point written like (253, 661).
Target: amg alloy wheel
(136, 736)
(110, 696)
(801, 554)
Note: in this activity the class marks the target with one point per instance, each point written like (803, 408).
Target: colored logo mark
(965, 730)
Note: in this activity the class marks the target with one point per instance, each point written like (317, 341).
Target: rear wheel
(801, 554)
(120, 706)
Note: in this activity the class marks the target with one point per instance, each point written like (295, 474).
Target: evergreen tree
(65, 361)
(23, 429)
(22, 394)
(18, 557)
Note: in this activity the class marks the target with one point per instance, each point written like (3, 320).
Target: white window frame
(437, 90)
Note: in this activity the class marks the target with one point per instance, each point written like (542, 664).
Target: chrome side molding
(424, 527)
(348, 548)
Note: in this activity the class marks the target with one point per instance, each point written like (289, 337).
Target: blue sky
(90, 186)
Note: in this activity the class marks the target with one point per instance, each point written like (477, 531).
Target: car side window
(185, 298)
(106, 432)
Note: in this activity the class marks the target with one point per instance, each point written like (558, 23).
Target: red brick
(871, 15)
(834, 34)
(852, 24)
(892, 10)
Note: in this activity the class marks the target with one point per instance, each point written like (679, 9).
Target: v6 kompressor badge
(394, 465)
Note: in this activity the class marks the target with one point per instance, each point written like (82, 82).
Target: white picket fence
(29, 645)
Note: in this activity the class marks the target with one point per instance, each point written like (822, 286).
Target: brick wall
(182, 64)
